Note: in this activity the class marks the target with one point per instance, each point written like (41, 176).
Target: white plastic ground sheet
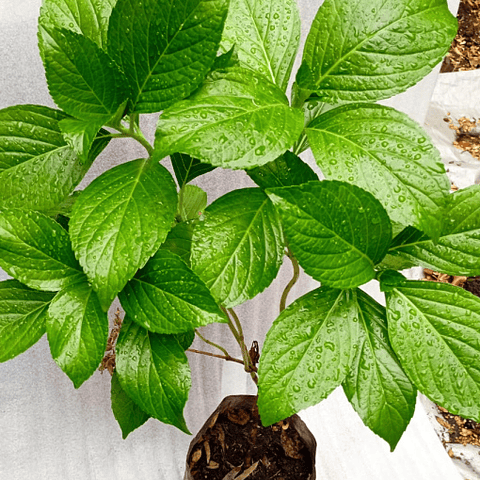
(50, 431)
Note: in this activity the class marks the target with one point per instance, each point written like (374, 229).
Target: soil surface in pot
(237, 447)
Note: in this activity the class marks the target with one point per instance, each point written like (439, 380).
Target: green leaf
(82, 79)
(84, 17)
(119, 221)
(386, 153)
(36, 250)
(65, 208)
(266, 35)
(284, 171)
(167, 297)
(457, 251)
(307, 353)
(38, 169)
(226, 60)
(127, 413)
(337, 231)
(194, 201)
(153, 370)
(165, 47)
(237, 119)
(187, 168)
(363, 54)
(376, 385)
(238, 248)
(22, 317)
(179, 240)
(77, 331)
(434, 329)
(80, 135)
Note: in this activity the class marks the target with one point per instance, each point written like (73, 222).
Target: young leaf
(360, 54)
(119, 221)
(386, 153)
(265, 34)
(284, 171)
(237, 119)
(36, 250)
(187, 168)
(22, 317)
(238, 248)
(82, 79)
(167, 297)
(194, 201)
(77, 331)
(80, 134)
(179, 240)
(307, 353)
(38, 169)
(165, 47)
(153, 370)
(457, 252)
(127, 413)
(337, 231)
(84, 17)
(434, 329)
(376, 385)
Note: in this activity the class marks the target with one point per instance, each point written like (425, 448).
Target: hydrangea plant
(217, 71)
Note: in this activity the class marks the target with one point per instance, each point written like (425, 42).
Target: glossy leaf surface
(165, 47)
(119, 221)
(36, 250)
(77, 331)
(80, 135)
(82, 79)
(284, 171)
(307, 353)
(187, 168)
(237, 119)
(376, 386)
(153, 370)
(38, 169)
(194, 201)
(179, 240)
(356, 53)
(434, 329)
(22, 317)
(265, 34)
(457, 251)
(84, 17)
(386, 153)
(337, 231)
(127, 413)
(167, 297)
(238, 248)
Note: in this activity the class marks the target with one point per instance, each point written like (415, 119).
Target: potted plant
(217, 72)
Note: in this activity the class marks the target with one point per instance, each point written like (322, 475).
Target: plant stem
(213, 344)
(224, 357)
(292, 282)
(237, 332)
(134, 132)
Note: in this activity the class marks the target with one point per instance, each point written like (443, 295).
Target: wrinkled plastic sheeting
(456, 95)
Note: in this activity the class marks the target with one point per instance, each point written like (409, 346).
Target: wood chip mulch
(464, 53)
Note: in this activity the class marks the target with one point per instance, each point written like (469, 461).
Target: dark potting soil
(472, 285)
(237, 446)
